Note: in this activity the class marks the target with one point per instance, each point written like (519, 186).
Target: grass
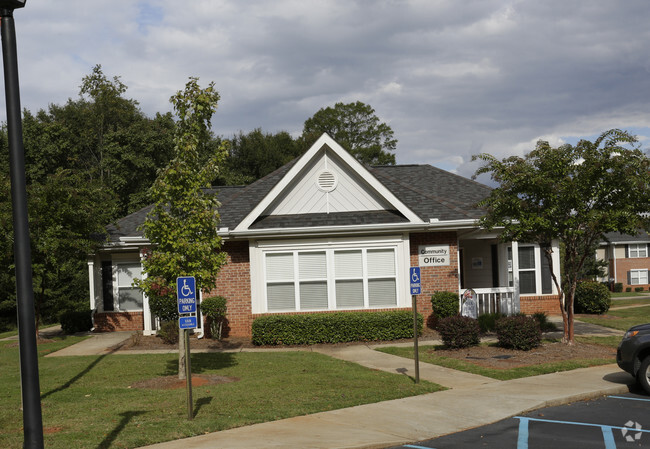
(428, 355)
(627, 294)
(621, 319)
(87, 402)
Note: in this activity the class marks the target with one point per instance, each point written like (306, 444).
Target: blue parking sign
(414, 277)
(187, 322)
(186, 294)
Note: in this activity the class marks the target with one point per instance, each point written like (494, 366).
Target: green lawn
(428, 355)
(87, 402)
(621, 319)
(627, 294)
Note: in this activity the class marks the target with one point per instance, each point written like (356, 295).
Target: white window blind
(312, 267)
(280, 290)
(129, 297)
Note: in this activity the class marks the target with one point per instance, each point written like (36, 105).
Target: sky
(451, 78)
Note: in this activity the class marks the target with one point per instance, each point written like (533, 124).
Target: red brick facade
(623, 266)
(533, 304)
(118, 321)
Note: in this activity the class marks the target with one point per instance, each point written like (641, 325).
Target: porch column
(515, 272)
(146, 312)
(91, 282)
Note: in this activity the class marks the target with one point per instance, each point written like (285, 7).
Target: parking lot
(611, 422)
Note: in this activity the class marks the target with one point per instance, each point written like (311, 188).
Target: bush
(76, 321)
(628, 289)
(459, 331)
(445, 304)
(487, 321)
(544, 324)
(638, 289)
(618, 287)
(333, 327)
(214, 308)
(168, 332)
(518, 332)
(592, 297)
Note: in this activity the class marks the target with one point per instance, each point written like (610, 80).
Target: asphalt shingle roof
(428, 191)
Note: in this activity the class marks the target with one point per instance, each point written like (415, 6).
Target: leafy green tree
(356, 128)
(256, 154)
(182, 226)
(574, 194)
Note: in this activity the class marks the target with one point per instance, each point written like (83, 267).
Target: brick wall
(625, 265)
(533, 304)
(234, 284)
(435, 279)
(119, 321)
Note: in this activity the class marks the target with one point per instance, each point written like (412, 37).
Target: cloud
(452, 79)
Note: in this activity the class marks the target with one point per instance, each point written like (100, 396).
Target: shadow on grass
(85, 371)
(204, 362)
(126, 418)
(200, 403)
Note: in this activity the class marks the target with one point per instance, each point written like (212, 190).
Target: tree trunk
(181, 354)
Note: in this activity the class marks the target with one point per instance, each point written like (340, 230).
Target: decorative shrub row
(335, 327)
(76, 321)
(214, 308)
(459, 331)
(592, 297)
(487, 321)
(518, 332)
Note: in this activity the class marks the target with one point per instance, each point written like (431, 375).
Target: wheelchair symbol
(414, 277)
(185, 289)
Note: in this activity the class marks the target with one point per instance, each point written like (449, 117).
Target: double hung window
(330, 279)
(637, 250)
(638, 277)
(129, 297)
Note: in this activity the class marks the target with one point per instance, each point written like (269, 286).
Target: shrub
(335, 327)
(487, 321)
(628, 289)
(544, 324)
(214, 308)
(168, 332)
(459, 331)
(618, 287)
(638, 289)
(76, 321)
(592, 297)
(518, 332)
(444, 304)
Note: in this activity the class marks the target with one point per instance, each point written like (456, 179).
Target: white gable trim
(347, 159)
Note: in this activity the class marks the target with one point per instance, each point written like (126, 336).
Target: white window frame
(637, 250)
(259, 250)
(641, 275)
(118, 261)
(537, 269)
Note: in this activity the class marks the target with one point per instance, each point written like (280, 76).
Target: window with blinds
(331, 279)
(129, 297)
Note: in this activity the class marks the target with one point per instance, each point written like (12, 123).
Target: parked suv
(633, 354)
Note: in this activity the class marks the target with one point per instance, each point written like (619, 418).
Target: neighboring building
(325, 233)
(629, 259)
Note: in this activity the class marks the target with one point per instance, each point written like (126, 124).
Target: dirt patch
(151, 342)
(492, 356)
(173, 382)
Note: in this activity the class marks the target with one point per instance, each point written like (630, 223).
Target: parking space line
(418, 447)
(630, 399)
(608, 436)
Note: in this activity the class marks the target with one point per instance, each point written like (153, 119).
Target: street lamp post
(32, 416)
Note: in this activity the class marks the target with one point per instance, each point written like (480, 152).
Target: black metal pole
(32, 417)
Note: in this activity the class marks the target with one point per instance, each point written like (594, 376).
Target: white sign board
(434, 255)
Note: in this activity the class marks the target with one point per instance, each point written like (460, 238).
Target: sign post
(186, 296)
(416, 289)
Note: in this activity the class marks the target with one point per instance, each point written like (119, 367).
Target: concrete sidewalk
(471, 401)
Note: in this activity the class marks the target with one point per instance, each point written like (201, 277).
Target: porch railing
(498, 299)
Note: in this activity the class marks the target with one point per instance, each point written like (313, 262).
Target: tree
(356, 128)
(256, 154)
(575, 194)
(182, 226)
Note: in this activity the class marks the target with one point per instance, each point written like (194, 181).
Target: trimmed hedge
(519, 332)
(214, 308)
(445, 304)
(592, 297)
(76, 321)
(459, 331)
(337, 327)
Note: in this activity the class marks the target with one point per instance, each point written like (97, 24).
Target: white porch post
(146, 311)
(91, 282)
(515, 272)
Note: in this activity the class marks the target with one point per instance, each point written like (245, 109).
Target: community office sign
(434, 255)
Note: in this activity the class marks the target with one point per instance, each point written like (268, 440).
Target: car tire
(643, 375)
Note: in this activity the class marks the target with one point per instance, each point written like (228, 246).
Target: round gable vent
(326, 181)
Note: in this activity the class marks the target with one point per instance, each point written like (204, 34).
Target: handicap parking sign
(414, 277)
(186, 294)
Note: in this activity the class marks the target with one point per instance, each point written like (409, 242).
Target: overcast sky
(452, 78)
